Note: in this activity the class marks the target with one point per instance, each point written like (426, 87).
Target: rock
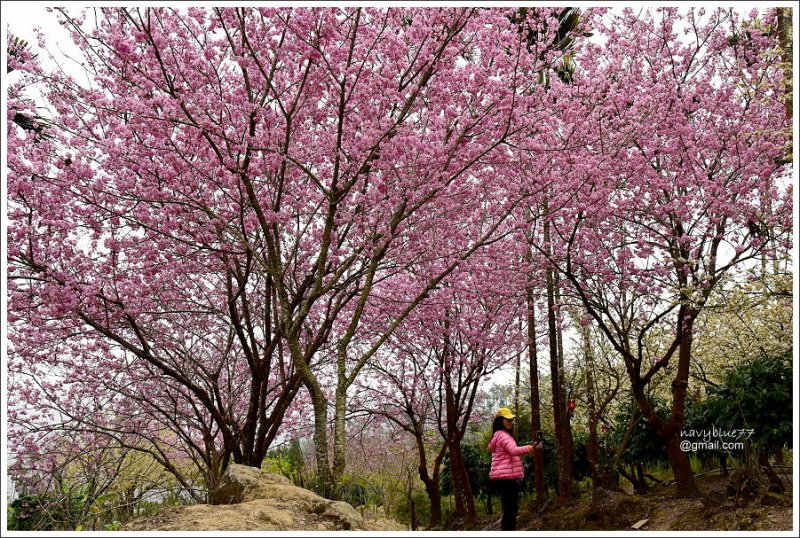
(242, 483)
(251, 499)
(344, 514)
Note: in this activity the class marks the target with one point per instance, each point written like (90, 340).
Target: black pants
(509, 496)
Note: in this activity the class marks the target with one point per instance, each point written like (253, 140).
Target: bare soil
(716, 510)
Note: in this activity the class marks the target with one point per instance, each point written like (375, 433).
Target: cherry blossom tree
(221, 198)
(676, 142)
(437, 360)
(235, 216)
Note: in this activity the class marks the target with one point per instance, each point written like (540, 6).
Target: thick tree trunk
(325, 479)
(563, 455)
(339, 438)
(462, 490)
(669, 430)
(432, 483)
(434, 493)
(565, 395)
(685, 484)
(684, 478)
(640, 477)
(563, 449)
(536, 417)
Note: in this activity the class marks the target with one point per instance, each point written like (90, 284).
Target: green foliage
(644, 446)
(287, 461)
(701, 417)
(44, 512)
(756, 395)
(422, 507)
(113, 526)
(744, 321)
(352, 491)
(477, 461)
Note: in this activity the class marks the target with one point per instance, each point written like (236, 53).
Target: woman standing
(507, 471)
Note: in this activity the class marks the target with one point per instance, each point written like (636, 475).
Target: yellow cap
(505, 412)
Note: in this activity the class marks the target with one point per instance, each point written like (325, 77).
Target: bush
(43, 513)
(422, 507)
(756, 395)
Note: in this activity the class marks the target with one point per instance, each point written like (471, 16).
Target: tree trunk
(325, 479)
(777, 452)
(631, 477)
(536, 417)
(684, 478)
(559, 404)
(462, 490)
(435, 497)
(640, 477)
(776, 484)
(785, 40)
(432, 484)
(517, 366)
(685, 485)
(670, 430)
(563, 452)
(339, 438)
(566, 394)
(592, 449)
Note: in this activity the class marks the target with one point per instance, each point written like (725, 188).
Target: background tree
(464, 331)
(665, 224)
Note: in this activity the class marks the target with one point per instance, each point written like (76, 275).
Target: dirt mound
(253, 500)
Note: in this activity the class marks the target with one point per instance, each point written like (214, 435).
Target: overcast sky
(22, 17)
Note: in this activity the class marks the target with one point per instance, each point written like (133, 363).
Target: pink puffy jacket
(506, 462)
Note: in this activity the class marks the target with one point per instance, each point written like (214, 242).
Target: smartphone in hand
(539, 437)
